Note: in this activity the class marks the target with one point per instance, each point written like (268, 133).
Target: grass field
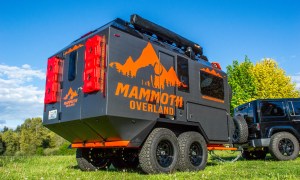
(65, 167)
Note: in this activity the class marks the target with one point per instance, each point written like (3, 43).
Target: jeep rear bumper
(260, 142)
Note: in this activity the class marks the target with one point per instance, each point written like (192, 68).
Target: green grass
(65, 167)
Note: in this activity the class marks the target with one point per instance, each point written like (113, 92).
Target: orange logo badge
(70, 98)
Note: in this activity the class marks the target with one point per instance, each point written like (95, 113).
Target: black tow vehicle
(136, 94)
(274, 127)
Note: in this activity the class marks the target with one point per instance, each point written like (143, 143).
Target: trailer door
(71, 86)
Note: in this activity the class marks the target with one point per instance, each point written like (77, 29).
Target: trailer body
(114, 85)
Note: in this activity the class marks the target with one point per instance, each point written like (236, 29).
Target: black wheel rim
(236, 132)
(164, 153)
(98, 158)
(286, 147)
(235, 135)
(195, 154)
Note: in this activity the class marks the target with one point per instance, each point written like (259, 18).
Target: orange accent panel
(220, 147)
(212, 72)
(100, 144)
(213, 99)
(162, 77)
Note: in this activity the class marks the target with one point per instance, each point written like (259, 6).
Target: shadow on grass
(112, 169)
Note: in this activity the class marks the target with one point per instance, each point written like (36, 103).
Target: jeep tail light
(95, 65)
(257, 127)
(52, 80)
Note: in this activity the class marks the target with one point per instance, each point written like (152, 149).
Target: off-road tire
(240, 130)
(193, 152)
(284, 146)
(85, 162)
(127, 159)
(148, 155)
(254, 155)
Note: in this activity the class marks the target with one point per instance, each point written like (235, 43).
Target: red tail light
(216, 65)
(52, 80)
(95, 64)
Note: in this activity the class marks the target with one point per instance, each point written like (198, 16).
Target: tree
(272, 82)
(263, 80)
(1, 145)
(5, 128)
(11, 142)
(33, 135)
(242, 82)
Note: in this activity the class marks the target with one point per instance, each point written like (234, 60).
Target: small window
(272, 108)
(183, 73)
(211, 85)
(294, 108)
(72, 66)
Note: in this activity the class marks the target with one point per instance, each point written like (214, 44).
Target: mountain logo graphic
(71, 94)
(160, 78)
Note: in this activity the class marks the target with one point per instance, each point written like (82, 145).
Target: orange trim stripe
(212, 72)
(100, 144)
(213, 99)
(222, 148)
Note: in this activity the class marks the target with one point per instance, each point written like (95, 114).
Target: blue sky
(33, 30)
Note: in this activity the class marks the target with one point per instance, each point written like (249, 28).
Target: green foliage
(5, 129)
(65, 150)
(32, 138)
(263, 80)
(242, 82)
(1, 145)
(272, 82)
(11, 142)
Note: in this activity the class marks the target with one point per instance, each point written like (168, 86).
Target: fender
(290, 129)
(180, 125)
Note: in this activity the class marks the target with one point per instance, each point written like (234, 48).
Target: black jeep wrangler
(273, 126)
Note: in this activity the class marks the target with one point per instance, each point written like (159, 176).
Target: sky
(33, 30)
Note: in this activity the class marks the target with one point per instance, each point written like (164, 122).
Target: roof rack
(145, 26)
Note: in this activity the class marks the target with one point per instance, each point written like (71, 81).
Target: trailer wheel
(284, 146)
(126, 159)
(193, 152)
(160, 152)
(240, 132)
(91, 159)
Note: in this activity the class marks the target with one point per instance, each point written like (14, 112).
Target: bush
(50, 151)
(65, 150)
(39, 151)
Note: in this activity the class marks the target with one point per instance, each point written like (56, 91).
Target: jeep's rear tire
(91, 159)
(254, 155)
(160, 152)
(284, 146)
(193, 152)
(240, 132)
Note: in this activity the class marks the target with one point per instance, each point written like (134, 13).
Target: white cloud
(296, 79)
(20, 96)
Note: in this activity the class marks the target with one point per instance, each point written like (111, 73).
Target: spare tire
(240, 130)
